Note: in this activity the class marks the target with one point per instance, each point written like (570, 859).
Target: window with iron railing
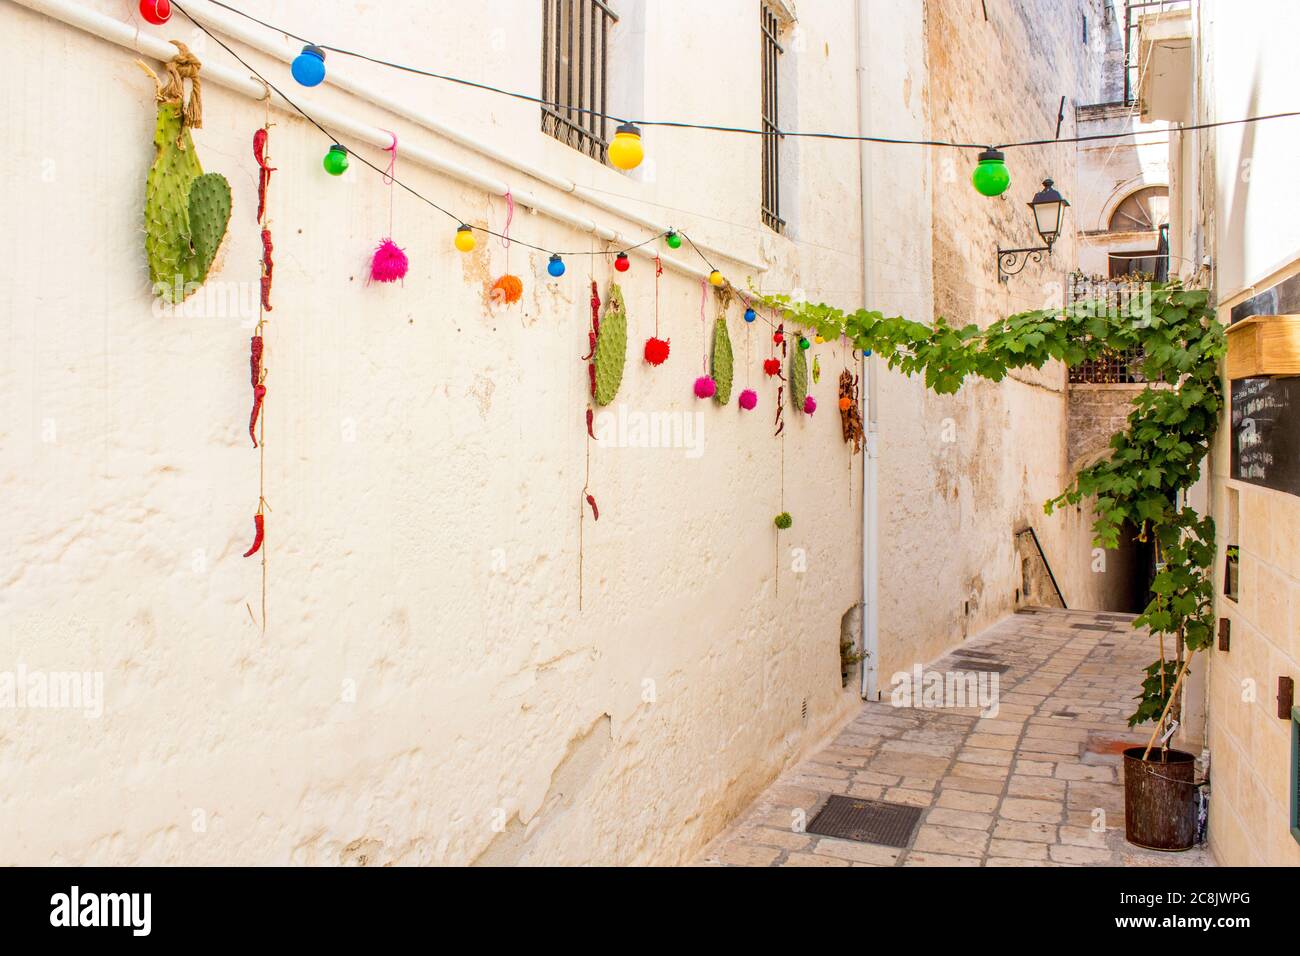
(1133, 12)
(1118, 296)
(575, 73)
(772, 50)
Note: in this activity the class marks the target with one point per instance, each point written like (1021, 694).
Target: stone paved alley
(1030, 787)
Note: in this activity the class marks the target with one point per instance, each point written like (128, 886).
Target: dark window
(771, 120)
(575, 54)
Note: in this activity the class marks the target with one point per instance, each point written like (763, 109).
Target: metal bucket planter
(1160, 799)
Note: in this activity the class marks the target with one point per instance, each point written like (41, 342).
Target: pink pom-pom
(705, 387)
(748, 399)
(809, 405)
(389, 263)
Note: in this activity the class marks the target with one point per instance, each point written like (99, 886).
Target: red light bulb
(156, 12)
(622, 263)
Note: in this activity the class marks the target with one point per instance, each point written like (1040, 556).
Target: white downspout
(870, 539)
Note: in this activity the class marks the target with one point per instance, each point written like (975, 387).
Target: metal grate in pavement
(866, 821)
(960, 659)
(1092, 627)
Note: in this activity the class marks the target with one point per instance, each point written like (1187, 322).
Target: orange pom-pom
(507, 289)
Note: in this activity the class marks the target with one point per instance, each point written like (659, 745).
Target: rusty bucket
(1160, 799)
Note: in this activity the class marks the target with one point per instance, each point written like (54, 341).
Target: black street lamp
(1049, 212)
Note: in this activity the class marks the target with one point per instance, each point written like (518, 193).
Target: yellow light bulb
(715, 278)
(626, 151)
(465, 240)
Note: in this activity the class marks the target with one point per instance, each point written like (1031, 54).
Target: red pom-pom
(748, 399)
(389, 263)
(656, 351)
(809, 405)
(705, 387)
(156, 12)
(771, 366)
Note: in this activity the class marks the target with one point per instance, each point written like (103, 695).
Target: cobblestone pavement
(1039, 784)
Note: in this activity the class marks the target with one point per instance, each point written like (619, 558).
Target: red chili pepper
(259, 393)
(595, 512)
(259, 531)
(592, 335)
(264, 171)
(589, 418)
(255, 359)
(268, 266)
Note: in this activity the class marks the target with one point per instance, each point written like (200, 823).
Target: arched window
(1143, 211)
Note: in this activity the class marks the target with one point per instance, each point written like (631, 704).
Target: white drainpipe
(234, 78)
(870, 538)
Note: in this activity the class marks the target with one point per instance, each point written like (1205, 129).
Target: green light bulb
(336, 160)
(991, 177)
(674, 241)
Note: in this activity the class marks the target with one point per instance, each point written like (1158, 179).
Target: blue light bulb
(556, 266)
(750, 315)
(308, 67)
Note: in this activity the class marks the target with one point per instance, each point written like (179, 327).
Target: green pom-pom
(723, 368)
(611, 347)
(783, 520)
(798, 377)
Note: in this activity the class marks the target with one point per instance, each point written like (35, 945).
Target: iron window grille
(772, 50)
(575, 73)
(1132, 12)
(1117, 295)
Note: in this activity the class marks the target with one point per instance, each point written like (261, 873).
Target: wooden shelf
(1264, 345)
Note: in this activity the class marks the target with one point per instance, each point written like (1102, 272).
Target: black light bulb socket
(993, 154)
(313, 50)
(628, 128)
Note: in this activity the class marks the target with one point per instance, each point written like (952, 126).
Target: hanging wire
(714, 127)
(393, 179)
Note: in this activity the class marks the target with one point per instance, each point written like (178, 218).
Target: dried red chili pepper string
(257, 347)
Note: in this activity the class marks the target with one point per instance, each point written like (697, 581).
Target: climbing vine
(1153, 461)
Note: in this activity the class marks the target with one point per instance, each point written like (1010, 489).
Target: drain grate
(866, 821)
(978, 664)
(1092, 627)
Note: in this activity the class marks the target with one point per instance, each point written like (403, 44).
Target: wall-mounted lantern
(1049, 213)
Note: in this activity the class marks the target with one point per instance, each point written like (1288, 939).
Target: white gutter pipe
(870, 538)
(126, 35)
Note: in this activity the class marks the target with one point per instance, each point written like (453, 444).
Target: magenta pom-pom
(809, 405)
(748, 399)
(389, 263)
(705, 387)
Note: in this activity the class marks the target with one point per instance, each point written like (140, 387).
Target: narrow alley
(1039, 784)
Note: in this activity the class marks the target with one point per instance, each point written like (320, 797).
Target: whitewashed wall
(424, 461)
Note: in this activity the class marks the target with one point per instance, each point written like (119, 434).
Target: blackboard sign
(1266, 432)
